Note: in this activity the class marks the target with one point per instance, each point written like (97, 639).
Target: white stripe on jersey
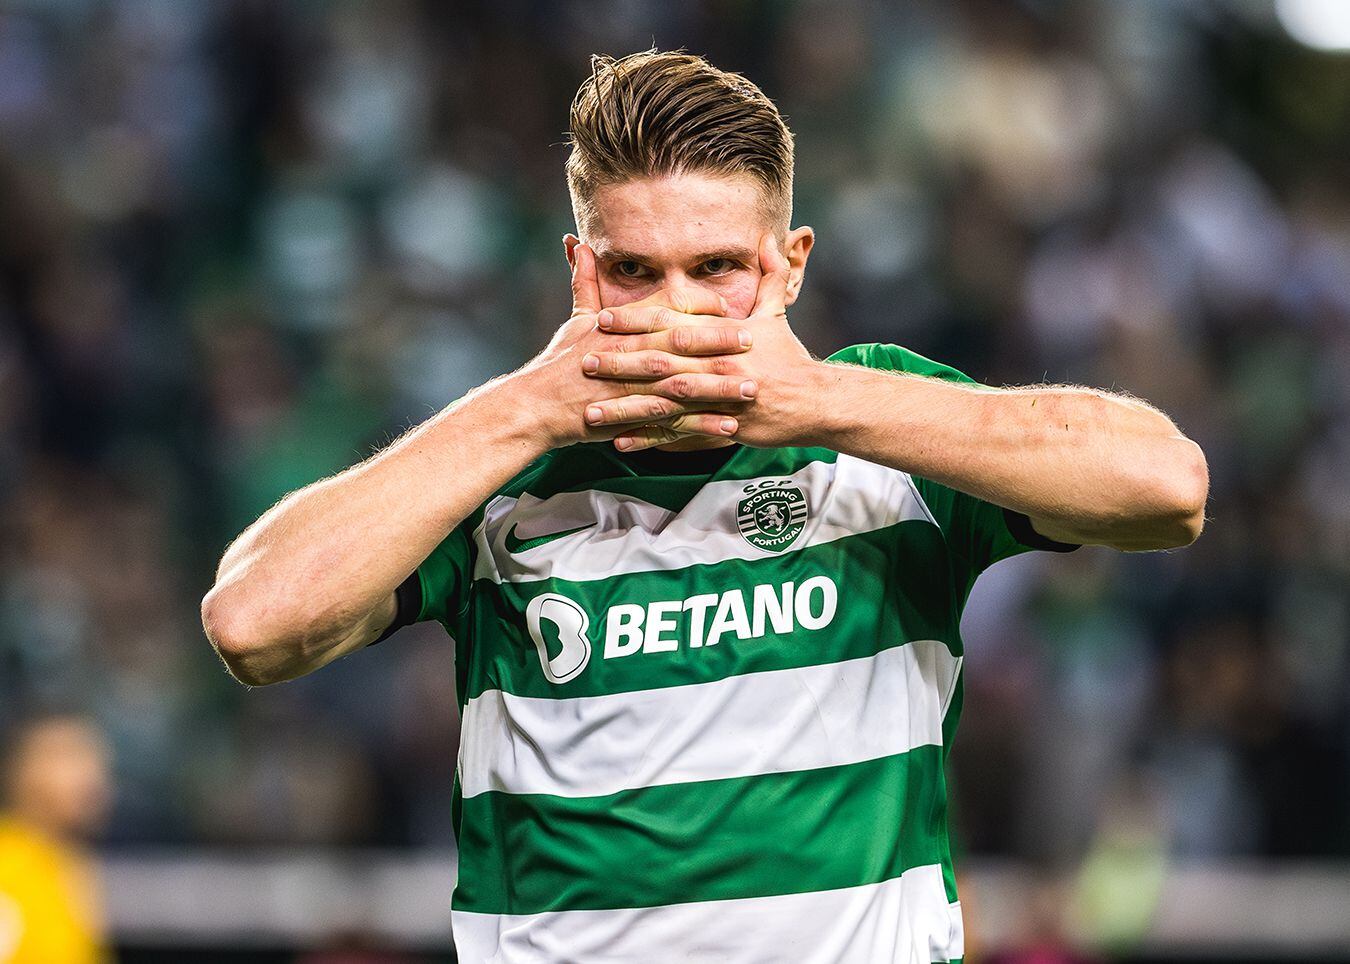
(768, 722)
(628, 535)
(905, 919)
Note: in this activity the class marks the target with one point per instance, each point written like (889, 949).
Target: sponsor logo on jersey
(554, 618)
(559, 624)
(772, 514)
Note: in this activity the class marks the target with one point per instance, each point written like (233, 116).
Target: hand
(779, 373)
(685, 403)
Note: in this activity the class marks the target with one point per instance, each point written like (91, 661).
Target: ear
(797, 248)
(570, 242)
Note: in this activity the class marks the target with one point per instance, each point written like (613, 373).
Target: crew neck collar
(695, 462)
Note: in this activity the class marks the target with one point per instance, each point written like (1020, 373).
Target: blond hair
(655, 113)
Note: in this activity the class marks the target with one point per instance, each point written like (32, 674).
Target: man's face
(60, 776)
(685, 230)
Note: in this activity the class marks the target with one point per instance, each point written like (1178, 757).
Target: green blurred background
(242, 243)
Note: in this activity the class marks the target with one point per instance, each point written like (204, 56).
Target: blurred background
(245, 242)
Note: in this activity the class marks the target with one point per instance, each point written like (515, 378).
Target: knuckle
(682, 339)
(665, 318)
(681, 386)
(658, 365)
(722, 366)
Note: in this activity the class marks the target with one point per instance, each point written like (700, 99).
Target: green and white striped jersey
(705, 715)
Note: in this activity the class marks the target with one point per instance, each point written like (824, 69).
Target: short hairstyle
(654, 113)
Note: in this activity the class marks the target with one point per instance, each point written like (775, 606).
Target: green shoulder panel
(894, 358)
(976, 530)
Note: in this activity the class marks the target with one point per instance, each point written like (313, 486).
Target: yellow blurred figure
(56, 794)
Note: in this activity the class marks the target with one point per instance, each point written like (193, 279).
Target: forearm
(1099, 467)
(301, 581)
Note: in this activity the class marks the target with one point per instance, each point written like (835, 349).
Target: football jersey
(706, 702)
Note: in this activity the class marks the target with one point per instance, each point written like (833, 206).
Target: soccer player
(706, 589)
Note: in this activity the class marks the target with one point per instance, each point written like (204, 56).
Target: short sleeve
(980, 532)
(437, 589)
(445, 576)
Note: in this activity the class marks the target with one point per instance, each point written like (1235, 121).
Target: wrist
(509, 409)
(538, 403)
(824, 409)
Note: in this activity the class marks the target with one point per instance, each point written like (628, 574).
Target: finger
(651, 365)
(645, 438)
(697, 340)
(585, 281)
(696, 387)
(771, 295)
(630, 409)
(687, 340)
(690, 301)
(715, 424)
(638, 319)
(709, 424)
(638, 365)
(646, 409)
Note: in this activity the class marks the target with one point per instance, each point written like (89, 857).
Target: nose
(674, 279)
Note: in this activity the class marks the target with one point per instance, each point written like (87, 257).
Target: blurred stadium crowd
(242, 243)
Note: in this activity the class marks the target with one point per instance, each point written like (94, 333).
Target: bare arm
(314, 578)
(1086, 466)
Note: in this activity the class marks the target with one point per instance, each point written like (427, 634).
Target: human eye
(716, 266)
(629, 269)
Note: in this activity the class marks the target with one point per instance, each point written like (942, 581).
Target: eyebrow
(732, 254)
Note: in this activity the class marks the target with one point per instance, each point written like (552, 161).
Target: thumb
(585, 281)
(771, 296)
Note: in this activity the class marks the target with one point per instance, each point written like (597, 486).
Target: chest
(589, 592)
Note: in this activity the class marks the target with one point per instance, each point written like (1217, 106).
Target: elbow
(1185, 496)
(234, 632)
(1171, 510)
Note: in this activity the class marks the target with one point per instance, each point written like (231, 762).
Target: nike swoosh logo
(514, 545)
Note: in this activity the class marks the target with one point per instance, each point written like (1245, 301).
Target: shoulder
(896, 358)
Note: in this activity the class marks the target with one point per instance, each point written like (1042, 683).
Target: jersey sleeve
(445, 576)
(980, 532)
(438, 588)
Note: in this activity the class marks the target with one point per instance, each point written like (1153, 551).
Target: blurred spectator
(56, 795)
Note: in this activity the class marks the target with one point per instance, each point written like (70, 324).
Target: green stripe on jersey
(886, 583)
(779, 833)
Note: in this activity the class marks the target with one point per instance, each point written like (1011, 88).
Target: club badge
(772, 514)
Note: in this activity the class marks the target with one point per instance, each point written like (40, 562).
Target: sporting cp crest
(772, 514)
